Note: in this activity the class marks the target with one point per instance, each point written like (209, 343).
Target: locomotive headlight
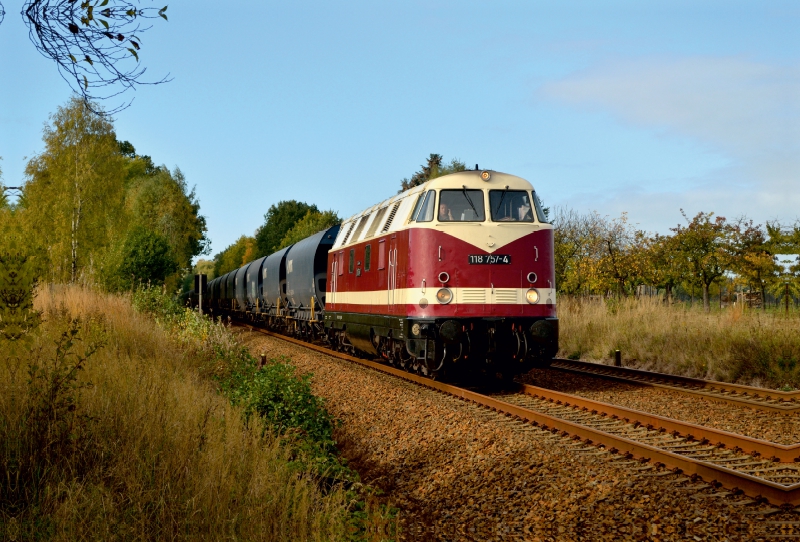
(444, 296)
(415, 329)
(486, 175)
(532, 296)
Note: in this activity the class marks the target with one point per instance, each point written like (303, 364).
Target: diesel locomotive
(450, 277)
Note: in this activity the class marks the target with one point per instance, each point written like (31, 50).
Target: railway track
(740, 464)
(782, 402)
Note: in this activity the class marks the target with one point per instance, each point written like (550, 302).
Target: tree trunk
(706, 301)
(76, 222)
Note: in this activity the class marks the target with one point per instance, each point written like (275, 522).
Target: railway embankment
(457, 470)
(118, 423)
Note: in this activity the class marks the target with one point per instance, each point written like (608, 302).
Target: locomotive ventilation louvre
(360, 227)
(505, 296)
(347, 235)
(374, 225)
(472, 295)
(391, 217)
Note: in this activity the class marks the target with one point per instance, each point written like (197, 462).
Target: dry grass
(150, 450)
(734, 345)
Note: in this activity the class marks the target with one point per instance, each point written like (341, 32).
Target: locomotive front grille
(472, 295)
(505, 296)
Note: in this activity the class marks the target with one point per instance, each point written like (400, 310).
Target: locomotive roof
(392, 214)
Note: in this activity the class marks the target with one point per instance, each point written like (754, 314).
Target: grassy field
(732, 344)
(110, 429)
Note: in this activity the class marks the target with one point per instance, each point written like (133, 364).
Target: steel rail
(784, 453)
(746, 396)
(716, 474)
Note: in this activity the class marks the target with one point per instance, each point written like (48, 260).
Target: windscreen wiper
(501, 200)
(464, 189)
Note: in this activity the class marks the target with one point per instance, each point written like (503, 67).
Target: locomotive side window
(367, 256)
(510, 206)
(461, 206)
(539, 211)
(340, 262)
(352, 260)
(417, 207)
(426, 212)
(381, 254)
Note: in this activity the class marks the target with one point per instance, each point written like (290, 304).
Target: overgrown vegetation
(272, 392)
(110, 427)
(736, 345)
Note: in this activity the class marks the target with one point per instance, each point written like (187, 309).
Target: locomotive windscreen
(510, 206)
(461, 206)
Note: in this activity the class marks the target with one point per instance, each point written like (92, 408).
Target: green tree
(433, 168)
(755, 255)
(73, 197)
(146, 258)
(280, 218)
(706, 245)
(235, 256)
(204, 267)
(662, 266)
(162, 201)
(310, 224)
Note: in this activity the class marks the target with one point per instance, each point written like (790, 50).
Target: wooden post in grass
(617, 358)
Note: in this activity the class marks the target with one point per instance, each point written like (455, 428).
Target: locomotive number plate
(489, 259)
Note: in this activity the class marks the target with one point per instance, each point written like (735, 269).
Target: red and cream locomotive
(452, 276)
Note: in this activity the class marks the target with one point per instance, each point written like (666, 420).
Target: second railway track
(759, 469)
(782, 402)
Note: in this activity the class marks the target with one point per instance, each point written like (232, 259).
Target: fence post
(617, 358)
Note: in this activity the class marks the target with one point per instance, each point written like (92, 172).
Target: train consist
(452, 276)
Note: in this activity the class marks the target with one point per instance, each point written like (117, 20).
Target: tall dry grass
(139, 446)
(733, 344)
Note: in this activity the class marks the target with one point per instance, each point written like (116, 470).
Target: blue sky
(642, 107)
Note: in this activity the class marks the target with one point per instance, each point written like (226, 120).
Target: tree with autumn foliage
(755, 255)
(663, 268)
(622, 258)
(235, 256)
(706, 245)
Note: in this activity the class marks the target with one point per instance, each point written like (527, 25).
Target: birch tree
(72, 200)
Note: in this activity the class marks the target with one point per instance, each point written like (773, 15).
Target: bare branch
(95, 44)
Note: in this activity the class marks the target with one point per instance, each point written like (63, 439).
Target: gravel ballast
(770, 426)
(458, 471)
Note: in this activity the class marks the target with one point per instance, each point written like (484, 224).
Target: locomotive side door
(333, 281)
(391, 279)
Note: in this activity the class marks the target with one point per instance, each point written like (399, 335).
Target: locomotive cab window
(510, 206)
(539, 210)
(425, 213)
(352, 260)
(461, 206)
(367, 256)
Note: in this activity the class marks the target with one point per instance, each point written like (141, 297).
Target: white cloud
(748, 111)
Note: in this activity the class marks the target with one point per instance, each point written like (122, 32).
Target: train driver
(444, 212)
